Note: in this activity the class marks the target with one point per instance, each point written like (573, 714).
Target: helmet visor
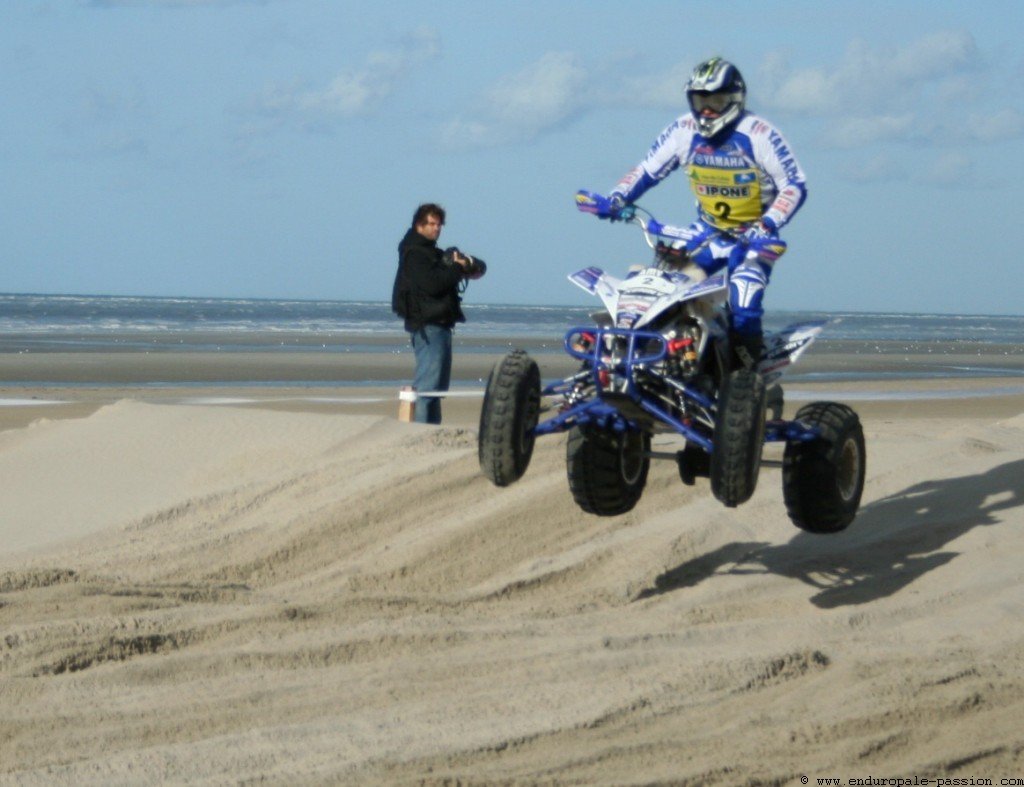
(714, 102)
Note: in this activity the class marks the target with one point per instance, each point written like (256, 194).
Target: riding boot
(746, 349)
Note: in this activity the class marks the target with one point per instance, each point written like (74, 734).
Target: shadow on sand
(893, 541)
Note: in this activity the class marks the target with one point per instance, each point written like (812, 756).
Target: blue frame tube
(607, 415)
(626, 365)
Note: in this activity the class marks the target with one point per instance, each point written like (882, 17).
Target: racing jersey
(749, 174)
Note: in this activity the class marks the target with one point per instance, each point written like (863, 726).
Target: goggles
(715, 102)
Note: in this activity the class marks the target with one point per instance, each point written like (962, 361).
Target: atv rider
(748, 185)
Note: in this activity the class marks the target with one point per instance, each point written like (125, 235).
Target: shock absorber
(683, 353)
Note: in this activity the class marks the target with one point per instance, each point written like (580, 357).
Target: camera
(474, 270)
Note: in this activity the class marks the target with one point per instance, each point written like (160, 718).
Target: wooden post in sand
(406, 403)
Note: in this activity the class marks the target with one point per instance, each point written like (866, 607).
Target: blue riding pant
(750, 268)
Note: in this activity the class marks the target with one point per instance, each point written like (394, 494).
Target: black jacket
(432, 285)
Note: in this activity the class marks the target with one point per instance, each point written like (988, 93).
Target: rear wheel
(508, 417)
(607, 470)
(738, 437)
(823, 479)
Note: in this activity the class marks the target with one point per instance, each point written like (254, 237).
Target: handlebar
(604, 208)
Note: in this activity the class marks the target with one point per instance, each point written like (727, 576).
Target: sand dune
(221, 594)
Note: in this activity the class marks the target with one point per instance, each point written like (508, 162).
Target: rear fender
(784, 348)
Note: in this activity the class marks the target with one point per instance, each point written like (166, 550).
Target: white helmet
(717, 95)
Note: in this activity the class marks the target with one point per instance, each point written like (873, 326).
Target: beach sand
(233, 583)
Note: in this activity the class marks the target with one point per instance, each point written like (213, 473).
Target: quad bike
(658, 361)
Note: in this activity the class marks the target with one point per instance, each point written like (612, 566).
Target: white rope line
(411, 395)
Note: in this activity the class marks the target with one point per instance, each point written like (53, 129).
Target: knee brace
(746, 291)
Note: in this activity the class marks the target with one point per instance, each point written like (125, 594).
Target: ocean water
(62, 323)
(955, 346)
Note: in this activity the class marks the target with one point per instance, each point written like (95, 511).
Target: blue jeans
(432, 346)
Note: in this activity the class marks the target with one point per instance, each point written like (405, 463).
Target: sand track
(226, 594)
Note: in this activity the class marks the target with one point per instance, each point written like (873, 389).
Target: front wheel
(738, 437)
(508, 418)
(823, 479)
(607, 470)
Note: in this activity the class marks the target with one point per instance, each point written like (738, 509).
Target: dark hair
(425, 210)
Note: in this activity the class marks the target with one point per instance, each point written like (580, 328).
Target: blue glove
(760, 231)
(655, 227)
(616, 204)
(762, 239)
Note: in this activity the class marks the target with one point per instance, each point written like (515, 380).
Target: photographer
(426, 295)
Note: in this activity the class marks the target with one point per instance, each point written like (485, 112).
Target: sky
(278, 148)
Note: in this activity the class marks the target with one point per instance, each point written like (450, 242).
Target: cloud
(870, 79)
(542, 96)
(876, 169)
(934, 91)
(949, 169)
(1006, 123)
(855, 132)
(920, 93)
(665, 89)
(356, 90)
